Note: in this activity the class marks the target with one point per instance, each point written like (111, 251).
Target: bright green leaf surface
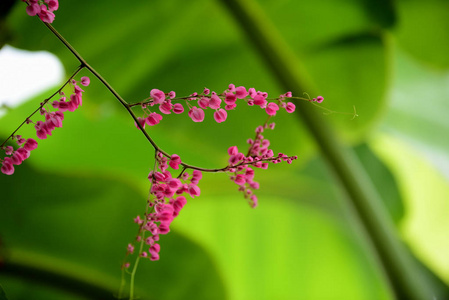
(425, 194)
(82, 224)
(423, 29)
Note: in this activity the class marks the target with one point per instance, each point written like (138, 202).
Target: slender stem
(104, 82)
(123, 102)
(133, 273)
(142, 234)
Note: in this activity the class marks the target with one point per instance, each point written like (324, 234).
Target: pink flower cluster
(168, 200)
(18, 156)
(54, 119)
(43, 128)
(43, 8)
(214, 101)
(258, 156)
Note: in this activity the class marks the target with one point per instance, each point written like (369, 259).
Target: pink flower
(9, 150)
(33, 9)
(254, 202)
(172, 95)
(16, 158)
(233, 150)
(7, 166)
(141, 122)
(240, 179)
(174, 183)
(55, 118)
(179, 203)
(24, 153)
(249, 173)
(290, 107)
(214, 101)
(52, 4)
(30, 144)
(260, 100)
(178, 108)
(220, 115)
(157, 95)
(42, 130)
(153, 119)
(272, 108)
(197, 114)
(194, 190)
(154, 252)
(196, 176)
(319, 99)
(231, 87)
(164, 229)
(85, 80)
(230, 106)
(46, 15)
(241, 92)
(166, 107)
(203, 102)
(230, 98)
(175, 160)
(252, 92)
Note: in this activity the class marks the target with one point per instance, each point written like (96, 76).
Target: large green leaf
(425, 199)
(2, 294)
(79, 225)
(422, 30)
(419, 109)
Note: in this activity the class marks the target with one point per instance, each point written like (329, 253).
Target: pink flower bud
(203, 102)
(230, 98)
(153, 119)
(178, 108)
(157, 95)
(197, 114)
(214, 101)
(233, 150)
(85, 80)
(241, 92)
(30, 144)
(290, 107)
(272, 108)
(240, 179)
(220, 115)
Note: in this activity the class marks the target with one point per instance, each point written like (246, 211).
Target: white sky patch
(24, 74)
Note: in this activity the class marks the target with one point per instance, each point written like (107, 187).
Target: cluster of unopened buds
(44, 128)
(211, 100)
(43, 8)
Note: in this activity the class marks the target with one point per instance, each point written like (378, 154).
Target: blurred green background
(68, 210)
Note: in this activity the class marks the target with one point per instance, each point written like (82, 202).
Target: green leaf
(2, 294)
(352, 72)
(422, 30)
(76, 228)
(425, 193)
(384, 181)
